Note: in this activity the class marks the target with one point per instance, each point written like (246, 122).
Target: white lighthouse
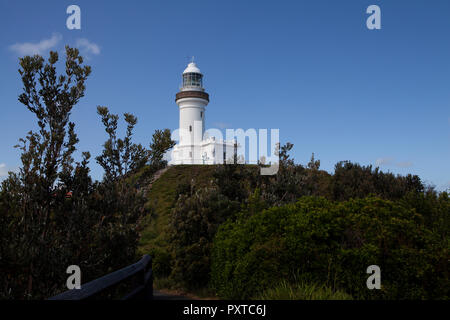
(194, 147)
(192, 100)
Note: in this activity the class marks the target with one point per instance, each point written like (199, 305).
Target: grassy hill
(161, 198)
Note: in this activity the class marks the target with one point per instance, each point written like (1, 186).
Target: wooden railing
(141, 288)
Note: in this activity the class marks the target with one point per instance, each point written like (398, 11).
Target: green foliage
(351, 180)
(293, 180)
(302, 291)
(161, 142)
(161, 262)
(194, 222)
(435, 209)
(161, 198)
(51, 213)
(257, 259)
(325, 247)
(120, 156)
(331, 243)
(255, 204)
(234, 180)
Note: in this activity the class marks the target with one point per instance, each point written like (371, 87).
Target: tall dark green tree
(48, 169)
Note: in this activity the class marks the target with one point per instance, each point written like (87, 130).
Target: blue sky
(310, 68)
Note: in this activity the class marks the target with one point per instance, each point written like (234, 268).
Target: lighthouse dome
(192, 68)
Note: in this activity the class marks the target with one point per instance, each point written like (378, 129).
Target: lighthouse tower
(193, 146)
(192, 100)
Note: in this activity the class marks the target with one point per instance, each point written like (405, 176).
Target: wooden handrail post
(148, 281)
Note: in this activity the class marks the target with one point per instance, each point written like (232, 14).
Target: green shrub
(193, 225)
(331, 243)
(161, 262)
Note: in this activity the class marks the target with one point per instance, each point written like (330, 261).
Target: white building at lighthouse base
(208, 151)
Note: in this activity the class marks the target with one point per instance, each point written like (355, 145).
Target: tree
(32, 196)
(284, 154)
(51, 213)
(313, 164)
(48, 153)
(120, 156)
(285, 186)
(352, 180)
(161, 142)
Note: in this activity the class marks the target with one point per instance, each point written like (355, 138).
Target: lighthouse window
(201, 114)
(192, 80)
(190, 128)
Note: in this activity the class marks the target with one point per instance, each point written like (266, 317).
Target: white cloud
(87, 47)
(384, 161)
(29, 48)
(3, 170)
(404, 164)
(389, 161)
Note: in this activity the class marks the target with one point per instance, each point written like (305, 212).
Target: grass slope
(161, 199)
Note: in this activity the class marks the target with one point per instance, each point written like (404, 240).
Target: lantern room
(192, 78)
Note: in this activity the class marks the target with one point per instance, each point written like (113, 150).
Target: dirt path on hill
(148, 186)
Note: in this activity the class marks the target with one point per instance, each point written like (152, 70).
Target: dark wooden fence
(139, 274)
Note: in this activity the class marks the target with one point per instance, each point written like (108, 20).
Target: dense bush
(333, 243)
(161, 262)
(194, 222)
(351, 180)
